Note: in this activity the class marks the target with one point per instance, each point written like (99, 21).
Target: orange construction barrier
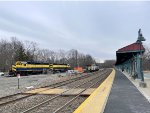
(79, 69)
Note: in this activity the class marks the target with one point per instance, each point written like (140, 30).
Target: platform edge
(102, 92)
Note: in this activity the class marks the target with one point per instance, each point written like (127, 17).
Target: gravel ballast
(9, 85)
(51, 106)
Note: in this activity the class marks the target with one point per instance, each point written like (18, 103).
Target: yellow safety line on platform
(96, 102)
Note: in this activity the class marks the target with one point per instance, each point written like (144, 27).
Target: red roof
(132, 47)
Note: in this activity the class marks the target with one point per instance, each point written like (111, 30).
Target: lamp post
(139, 41)
(141, 69)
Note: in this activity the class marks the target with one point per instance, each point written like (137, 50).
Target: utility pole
(76, 54)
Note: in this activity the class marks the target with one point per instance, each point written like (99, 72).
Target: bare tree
(14, 50)
(4, 54)
(31, 49)
(146, 58)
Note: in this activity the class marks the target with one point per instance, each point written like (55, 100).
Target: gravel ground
(50, 107)
(22, 105)
(38, 81)
(73, 106)
(3, 100)
(79, 82)
(9, 85)
(53, 105)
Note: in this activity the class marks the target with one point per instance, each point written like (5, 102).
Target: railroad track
(95, 81)
(19, 96)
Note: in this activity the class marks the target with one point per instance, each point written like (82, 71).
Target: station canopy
(128, 52)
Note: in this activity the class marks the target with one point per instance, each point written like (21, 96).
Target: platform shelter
(129, 58)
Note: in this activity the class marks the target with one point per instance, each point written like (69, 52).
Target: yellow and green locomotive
(32, 67)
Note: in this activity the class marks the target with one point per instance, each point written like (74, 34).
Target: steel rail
(38, 105)
(56, 111)
(58, 83)
(70, 79)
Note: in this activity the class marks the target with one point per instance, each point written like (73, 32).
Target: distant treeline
(16, 50)
(107, 64)
(146, 59)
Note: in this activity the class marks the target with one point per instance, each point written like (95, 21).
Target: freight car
(92, 68)
(31, 67)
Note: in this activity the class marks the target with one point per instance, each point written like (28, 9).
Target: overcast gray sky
(97, 28)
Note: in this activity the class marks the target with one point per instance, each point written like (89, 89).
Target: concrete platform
(145, 91)
(125, 97)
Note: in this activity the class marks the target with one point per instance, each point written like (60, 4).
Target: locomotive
(32, 67)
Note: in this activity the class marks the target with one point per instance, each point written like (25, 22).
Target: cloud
(97, 28)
